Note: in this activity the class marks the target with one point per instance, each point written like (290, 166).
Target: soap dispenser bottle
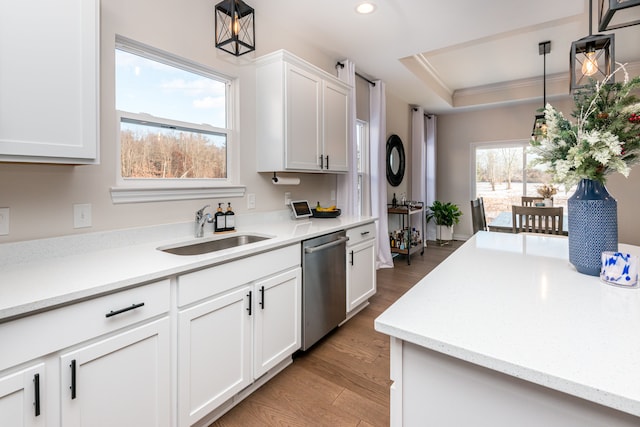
(230, 219)
(220, 218)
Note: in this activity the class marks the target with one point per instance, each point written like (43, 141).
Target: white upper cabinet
(49, 84)
(301, 116)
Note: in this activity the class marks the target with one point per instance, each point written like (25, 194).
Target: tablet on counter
(301, 209)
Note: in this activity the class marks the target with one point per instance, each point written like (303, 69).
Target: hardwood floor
(344, 379)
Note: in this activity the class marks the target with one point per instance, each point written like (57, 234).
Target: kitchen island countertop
(513, 303)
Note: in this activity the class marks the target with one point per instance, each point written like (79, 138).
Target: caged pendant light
(591, 57)
(235, 27)
(540, 124)
(614, 14)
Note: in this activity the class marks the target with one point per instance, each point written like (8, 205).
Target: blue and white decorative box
(619, 269)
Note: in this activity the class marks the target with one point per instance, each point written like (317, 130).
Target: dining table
(504, 223)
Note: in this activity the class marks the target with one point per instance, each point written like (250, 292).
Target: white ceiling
(447, 55)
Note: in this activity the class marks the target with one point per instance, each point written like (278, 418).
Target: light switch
(4, 221)
(287, 198)
(82, 215)
(251, 201)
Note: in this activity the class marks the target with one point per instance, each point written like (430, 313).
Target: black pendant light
(591, 57)
(235, 27)
(613, 14)
(540, 124)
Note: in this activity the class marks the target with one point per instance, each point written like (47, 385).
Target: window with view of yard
(173, 117)
(362, 153)
(504, 173)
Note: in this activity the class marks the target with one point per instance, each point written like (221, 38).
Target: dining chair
(531, 200)
(478, 218)
(534, 219)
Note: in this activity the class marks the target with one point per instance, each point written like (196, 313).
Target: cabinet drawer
(361, 233)
(202, 284)
(37, 335)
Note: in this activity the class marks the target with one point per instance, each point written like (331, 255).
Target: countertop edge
(620, 403)
(176, 264)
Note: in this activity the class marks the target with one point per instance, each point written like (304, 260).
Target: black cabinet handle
(262, 297)
(364, 233)
(123, 310)
(351, 257)
(73, 379)
(327, 162)
(36, 386)
(321, 162)
(249, 308)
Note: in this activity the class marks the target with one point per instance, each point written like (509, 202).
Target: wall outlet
(287, 198)
(82, 215)
(333, 195)
(251, 201)
(4, 221)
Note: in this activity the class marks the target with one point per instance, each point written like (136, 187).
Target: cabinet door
(49, 81)
(214, 353)
(20, 398)
(277, 319)
(123, 380)
(303, 119)
(361, 273)
(335, 127)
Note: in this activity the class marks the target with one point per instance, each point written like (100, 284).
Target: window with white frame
(174, 120)
(362, 153)
(503, 173)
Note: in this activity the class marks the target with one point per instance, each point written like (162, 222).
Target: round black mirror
(395, 160)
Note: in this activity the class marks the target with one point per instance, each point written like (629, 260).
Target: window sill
(121, 195)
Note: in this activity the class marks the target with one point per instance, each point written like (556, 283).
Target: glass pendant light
(235, 27)
(591, 57)
(614, 14)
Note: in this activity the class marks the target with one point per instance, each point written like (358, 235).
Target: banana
(331, 208)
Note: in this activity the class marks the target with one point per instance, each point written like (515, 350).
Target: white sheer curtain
(423, 161)
(430, 126)
(418, 163)
(347, 184)
(378, 131)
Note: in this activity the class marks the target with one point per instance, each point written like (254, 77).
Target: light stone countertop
(514, 304)
(43, 274)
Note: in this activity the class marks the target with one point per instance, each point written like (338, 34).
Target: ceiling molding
(422, 69)
(521, 90)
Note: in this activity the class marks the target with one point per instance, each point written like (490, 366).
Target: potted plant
(445, 216)
(547, 192)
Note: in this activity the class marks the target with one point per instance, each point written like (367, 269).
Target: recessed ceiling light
(365, 8)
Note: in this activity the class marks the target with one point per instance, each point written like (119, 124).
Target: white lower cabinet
(277, 319)
(236, 321)
(361, 265)
(21, 398)
(123, 380)
(214, 359)
(120, 345)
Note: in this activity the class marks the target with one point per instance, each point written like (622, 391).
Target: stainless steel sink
(203, 247)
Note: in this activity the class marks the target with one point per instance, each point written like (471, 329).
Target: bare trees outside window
(173, 117)
(503, 175)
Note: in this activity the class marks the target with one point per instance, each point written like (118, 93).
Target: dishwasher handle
(337, 242)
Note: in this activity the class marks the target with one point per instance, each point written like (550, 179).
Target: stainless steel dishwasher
(324, 285)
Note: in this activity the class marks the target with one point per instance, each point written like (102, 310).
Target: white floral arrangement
(605, 138)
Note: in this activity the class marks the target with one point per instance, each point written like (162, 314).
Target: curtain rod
(341, 65)
(427, 115)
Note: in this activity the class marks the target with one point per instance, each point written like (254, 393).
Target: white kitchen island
(505, 332)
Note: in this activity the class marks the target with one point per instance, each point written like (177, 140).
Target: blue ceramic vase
(593, 226)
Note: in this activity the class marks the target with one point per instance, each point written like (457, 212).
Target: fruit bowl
(325, 214)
